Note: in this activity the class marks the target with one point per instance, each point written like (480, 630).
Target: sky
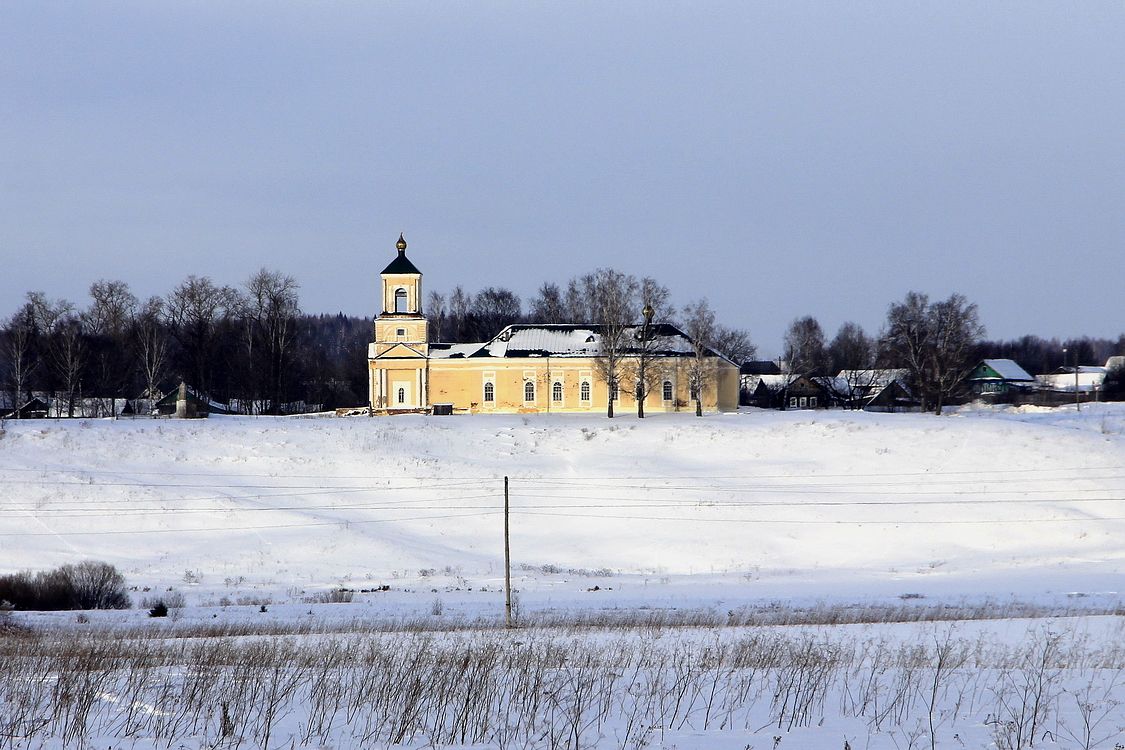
(780, 159)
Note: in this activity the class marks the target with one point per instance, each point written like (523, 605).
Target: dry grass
(535, 688)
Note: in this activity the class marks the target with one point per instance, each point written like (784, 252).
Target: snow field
(765, 505)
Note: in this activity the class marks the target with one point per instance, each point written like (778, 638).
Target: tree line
(252, 346)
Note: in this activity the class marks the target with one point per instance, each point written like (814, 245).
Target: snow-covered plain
(758, 504)
(995, 511)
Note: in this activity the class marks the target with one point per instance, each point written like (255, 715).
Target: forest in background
(253, 346)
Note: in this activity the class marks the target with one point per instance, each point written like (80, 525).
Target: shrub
(171, 599)
(335, 596)
(86, 585)
(160, 609)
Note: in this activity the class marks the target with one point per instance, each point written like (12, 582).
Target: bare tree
(804, 351)
(459, 304)
(68, 356)
(956, 330)
(934, 342)
(612, 297)
(106, 325)
(436, 314)
(906, 339)
(644, 368)
(699, 325)
(111, 309)
(494, 308)
(271, 309)
(851, 354)
(548, 305)
(804, 346)
(19, 342)
(151, 340)
(733, 343)
(577, 301)
(194, 312)
(50, 318)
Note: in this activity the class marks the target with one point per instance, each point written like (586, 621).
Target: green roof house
(998, 377)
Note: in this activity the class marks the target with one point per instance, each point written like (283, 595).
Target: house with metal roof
(998, 377)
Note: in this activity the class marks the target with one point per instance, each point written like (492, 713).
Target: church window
(695, 392)
(529, 391)
(489, 392)
(584, 391)
(557, 392)
(402, 395)
(667, 390)
(400, 300)
(615, 394)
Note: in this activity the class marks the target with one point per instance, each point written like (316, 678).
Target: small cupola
(401, 264)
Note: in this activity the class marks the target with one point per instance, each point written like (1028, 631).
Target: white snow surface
(757, 505)
(983, 507)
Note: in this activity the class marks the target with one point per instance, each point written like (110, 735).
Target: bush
(335, 596)
(86, 585)
(171, 599)
(160, 609)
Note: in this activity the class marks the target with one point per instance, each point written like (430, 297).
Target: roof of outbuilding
(760, 367)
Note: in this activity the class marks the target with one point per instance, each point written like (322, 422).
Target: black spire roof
(401, 264)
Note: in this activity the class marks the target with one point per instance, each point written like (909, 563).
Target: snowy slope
(766, 504)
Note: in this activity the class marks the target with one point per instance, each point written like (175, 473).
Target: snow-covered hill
(766, 504)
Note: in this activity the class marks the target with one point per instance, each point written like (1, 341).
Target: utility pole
(507, 563)
(1077, 396)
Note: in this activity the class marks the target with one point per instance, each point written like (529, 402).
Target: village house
(993, 378)
(525, 368)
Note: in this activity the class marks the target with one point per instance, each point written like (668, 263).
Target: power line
(120, 532)
(80, 512)
(852, 522)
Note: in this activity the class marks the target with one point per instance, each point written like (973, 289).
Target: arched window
(529, 391)
(614, 393)
(489, 392)
(400, 300)
(695, 392)
(667, 390)
(584, 391)
(556, 392)
(402, 395)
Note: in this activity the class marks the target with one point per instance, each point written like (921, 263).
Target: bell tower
(401, 320)
(398, 358)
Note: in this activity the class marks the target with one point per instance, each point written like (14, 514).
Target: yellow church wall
(461, 382)
(414, 332)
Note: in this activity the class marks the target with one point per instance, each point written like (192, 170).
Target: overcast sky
(781, 159)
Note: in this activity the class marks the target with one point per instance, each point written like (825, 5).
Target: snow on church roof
(563, 340)
(545, 340)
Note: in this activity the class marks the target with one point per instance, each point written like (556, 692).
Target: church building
(530, 368)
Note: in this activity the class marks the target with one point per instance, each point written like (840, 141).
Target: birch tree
(612, 298)
(699, 325)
